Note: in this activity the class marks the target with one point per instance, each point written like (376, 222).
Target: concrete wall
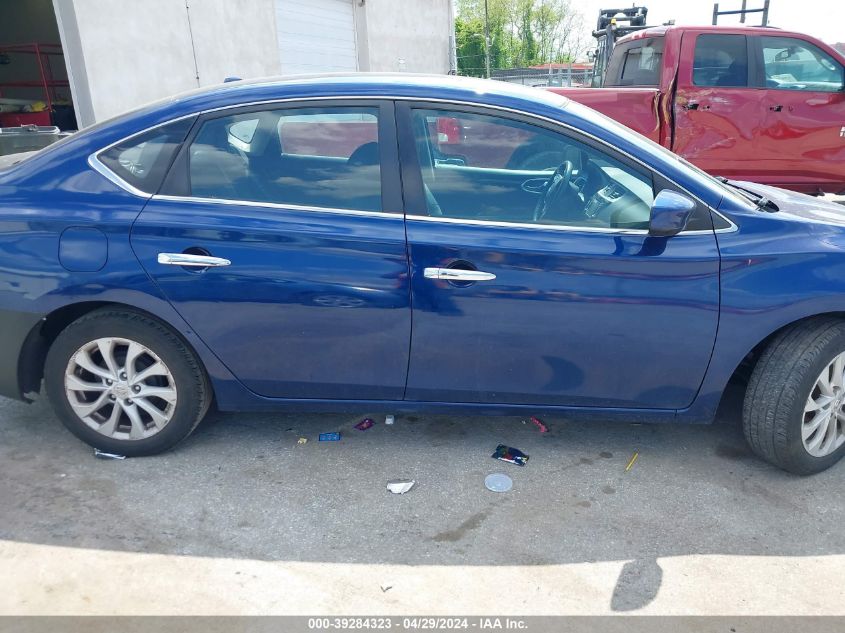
(406, 36)
(123, 54)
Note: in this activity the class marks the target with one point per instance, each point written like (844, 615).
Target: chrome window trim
(277, 205)
(97, 165)
(554, 227)
(100, 168)
(94, 162)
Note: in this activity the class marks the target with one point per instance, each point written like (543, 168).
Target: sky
(823, 19)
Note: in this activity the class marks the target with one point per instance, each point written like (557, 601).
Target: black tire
(773, 410)
(193, 389)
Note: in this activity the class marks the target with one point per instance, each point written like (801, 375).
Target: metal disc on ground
(498, 482)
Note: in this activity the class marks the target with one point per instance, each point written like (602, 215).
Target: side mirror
(670, 213)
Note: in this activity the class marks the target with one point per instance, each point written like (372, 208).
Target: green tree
(522, 33)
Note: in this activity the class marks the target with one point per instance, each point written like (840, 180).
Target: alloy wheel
(823, 426)
(120, 388)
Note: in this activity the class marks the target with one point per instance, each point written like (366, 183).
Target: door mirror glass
(670, 213)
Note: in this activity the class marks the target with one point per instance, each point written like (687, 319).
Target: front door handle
(189, 259)
(776, 108)
(457, 274)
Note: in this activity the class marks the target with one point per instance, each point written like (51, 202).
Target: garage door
(316, 35)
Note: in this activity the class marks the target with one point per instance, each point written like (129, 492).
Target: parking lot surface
(243, 519)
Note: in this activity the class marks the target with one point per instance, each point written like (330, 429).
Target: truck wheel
(794, 409)
(125, 383)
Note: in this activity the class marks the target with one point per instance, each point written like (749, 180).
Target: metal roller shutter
(316, 36)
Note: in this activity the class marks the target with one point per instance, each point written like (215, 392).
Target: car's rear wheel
(125, 383)
(794, 410)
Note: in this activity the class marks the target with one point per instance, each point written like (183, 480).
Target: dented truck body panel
(784, 137)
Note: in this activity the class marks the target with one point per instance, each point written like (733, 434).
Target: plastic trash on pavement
(103, 455)
(365, 424)
(510, 455)
(329, 437)
(539, 424)
(400, 486)
(498, 482)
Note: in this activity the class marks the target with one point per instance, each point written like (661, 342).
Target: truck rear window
(636, 63)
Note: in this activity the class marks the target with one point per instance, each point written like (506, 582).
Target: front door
(719, 115)
(804, 145)
(306, 293)
(524, 294)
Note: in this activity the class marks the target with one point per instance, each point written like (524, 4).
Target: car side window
(792, 64)
(637, 64)
(143, 160)
(720, 60)
(315, 157)
(490, 168)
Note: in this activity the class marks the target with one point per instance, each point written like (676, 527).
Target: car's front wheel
(794, 409)
(125, 383)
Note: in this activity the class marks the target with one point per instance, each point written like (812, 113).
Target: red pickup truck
(747, 103)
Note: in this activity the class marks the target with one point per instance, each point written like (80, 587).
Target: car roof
(339, 85)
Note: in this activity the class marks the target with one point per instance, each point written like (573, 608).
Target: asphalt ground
(243, 519)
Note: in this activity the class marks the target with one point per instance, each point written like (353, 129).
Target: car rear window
(143, 159)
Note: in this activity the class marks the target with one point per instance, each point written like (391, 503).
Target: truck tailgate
(635, 107)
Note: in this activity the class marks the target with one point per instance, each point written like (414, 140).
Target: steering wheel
(557, 184)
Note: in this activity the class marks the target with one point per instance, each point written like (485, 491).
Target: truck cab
(747, 103)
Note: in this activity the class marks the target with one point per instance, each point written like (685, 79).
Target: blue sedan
(411, 244)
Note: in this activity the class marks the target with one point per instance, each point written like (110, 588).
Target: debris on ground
(400, 486)
(539, 424)
(386, 589)
(365, 424)
(302, 440)
(329, 437)
(631, 463)
(510, 455)
(389, 419)
(103, 455)
(498, 482)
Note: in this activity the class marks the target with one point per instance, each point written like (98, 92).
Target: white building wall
(412, 36)
(123, 54)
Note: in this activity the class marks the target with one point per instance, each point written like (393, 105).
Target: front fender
(775, 270)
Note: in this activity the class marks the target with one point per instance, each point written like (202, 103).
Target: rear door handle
(188, 259)
(776, 108)
(457, 274)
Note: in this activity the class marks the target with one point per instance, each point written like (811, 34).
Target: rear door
(719, 113)
(299, 207)
(574, 305)
(803, 146)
